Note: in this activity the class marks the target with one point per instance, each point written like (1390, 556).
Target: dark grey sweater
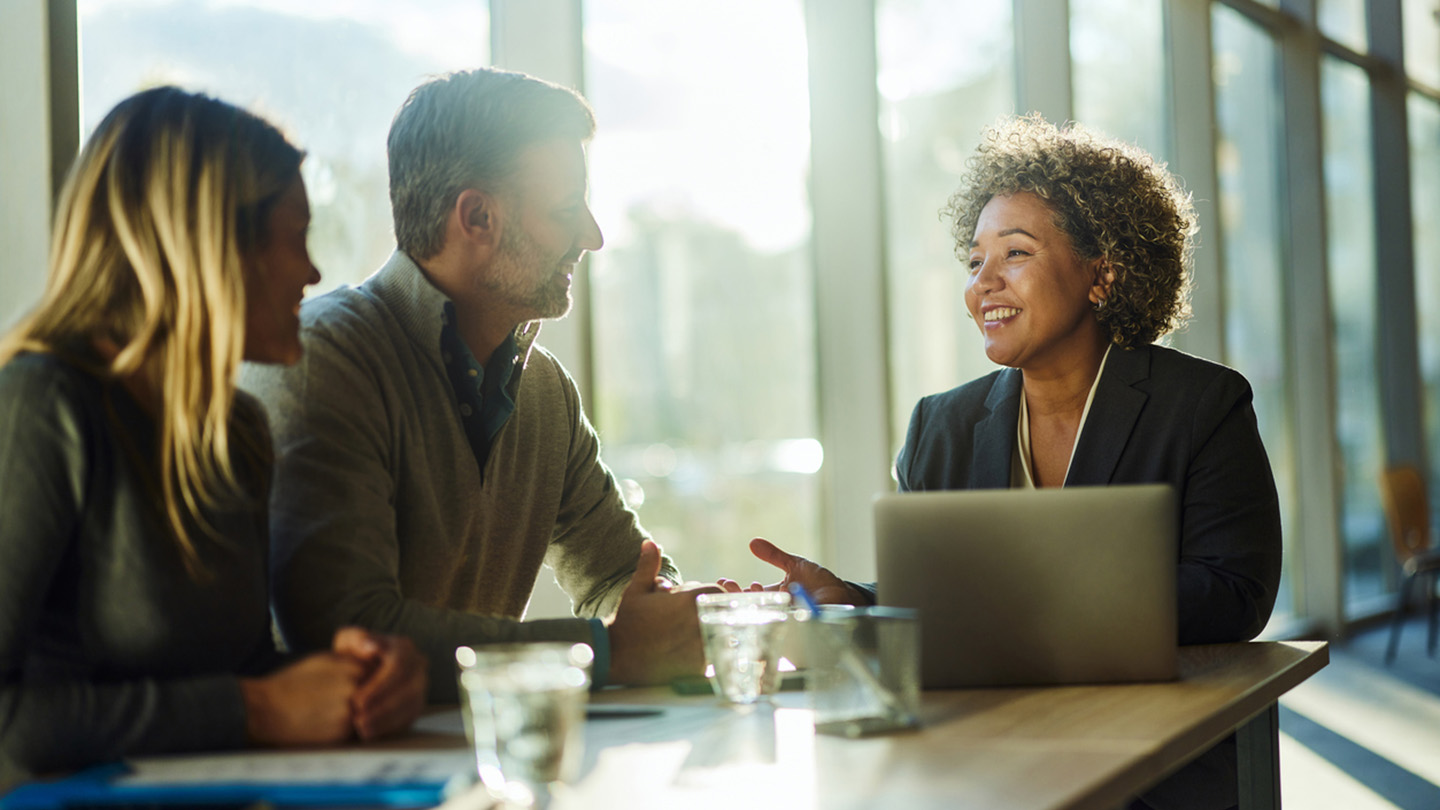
(108, 648)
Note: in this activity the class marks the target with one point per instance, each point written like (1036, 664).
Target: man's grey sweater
(381, 516)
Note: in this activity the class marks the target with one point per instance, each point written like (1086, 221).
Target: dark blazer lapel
(1112, 418)
(995, 434)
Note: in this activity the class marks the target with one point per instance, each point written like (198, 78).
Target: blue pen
(798, 591)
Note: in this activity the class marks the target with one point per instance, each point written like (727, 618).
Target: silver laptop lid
(1035, 586)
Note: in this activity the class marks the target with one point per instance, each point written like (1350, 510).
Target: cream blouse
(1021, 476)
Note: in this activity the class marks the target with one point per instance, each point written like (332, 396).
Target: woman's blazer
(1158, 415)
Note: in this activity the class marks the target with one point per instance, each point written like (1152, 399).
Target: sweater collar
(419, 306)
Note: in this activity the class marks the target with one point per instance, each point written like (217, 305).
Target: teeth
(1001, 313)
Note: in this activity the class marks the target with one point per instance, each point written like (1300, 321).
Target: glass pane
(1247, 159)
(331, 75)
(1117, 48)
(1421, 22)
(1344, 22)
(703, 321)
(1350, 256)
(1425, 199)
(934, 100)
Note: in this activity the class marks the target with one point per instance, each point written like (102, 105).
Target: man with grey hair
(431, 455)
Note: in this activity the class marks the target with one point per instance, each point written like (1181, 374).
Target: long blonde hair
(166, 200)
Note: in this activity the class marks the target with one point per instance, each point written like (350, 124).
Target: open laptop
(1035, 586)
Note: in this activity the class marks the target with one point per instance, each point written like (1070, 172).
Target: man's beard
(527, 280)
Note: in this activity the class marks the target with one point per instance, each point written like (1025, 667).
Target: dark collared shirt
(485, 402)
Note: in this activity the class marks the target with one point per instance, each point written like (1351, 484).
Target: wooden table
(1076, 747)
(1058, 747)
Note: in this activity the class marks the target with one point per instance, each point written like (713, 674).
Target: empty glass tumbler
(742, 633)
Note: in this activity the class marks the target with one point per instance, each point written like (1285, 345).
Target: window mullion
(847, 199)
(1042, 59)
(1316, 454)
(1399, 360)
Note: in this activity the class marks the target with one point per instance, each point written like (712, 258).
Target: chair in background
(1407, 510)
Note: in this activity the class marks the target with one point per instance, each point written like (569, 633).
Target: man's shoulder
(345, 311)
(356, 326)
(345, 334)
(545, 382)
(541, 360)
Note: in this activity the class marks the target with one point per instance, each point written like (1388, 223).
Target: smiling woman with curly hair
(1111, 199)
(1079, 252)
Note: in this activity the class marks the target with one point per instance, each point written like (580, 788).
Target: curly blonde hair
(1115, 201)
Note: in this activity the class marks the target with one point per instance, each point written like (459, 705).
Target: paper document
(299, 768)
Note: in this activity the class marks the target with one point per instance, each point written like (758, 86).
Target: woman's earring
(1100, 305)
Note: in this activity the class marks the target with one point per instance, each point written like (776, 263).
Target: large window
(1425, 199)
(1421, 27)
(1247, 160)
(1344, 22)
(330, 75)
(703, 323)
(696, 342)
(1117, 52)
(934, 100)
(1350, 255)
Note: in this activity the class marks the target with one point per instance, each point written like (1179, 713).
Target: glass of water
(742, 633)
(524, 712)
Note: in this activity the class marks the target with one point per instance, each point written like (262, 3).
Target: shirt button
(473, 373)
(465, 409)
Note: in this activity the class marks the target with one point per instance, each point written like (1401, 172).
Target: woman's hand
(304, 703)
(391, 692)
(824, 587)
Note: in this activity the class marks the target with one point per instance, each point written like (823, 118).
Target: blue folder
(96, 787)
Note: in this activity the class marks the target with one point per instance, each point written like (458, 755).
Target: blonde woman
(134, 603)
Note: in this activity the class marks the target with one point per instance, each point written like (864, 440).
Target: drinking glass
(742, 633)
(524, 712)
(864, 675)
